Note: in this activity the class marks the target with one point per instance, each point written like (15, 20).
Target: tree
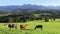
(11, 20)
(46, 19)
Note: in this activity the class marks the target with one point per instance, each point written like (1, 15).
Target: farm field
(51, 27)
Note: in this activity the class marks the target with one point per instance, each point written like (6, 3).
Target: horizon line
(30, 4)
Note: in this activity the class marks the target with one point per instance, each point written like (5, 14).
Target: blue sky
(33, 2)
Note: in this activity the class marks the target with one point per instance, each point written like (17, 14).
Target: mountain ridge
(13, 7)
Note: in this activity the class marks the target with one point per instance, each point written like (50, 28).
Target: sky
(32, 2)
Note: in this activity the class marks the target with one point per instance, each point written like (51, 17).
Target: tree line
(30, 15)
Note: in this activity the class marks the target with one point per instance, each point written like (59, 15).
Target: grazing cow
(12, 26)
(23, 26)
(38, 26)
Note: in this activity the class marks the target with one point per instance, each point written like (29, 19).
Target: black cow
(38, 26)
(12, 26)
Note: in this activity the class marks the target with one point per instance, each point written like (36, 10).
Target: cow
(38, 26)
(23, 26)
(12, 26)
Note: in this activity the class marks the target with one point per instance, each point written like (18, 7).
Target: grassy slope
(48, 28)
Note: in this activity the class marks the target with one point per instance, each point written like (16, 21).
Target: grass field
(51, 27)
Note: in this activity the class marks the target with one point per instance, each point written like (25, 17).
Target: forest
(24, 15)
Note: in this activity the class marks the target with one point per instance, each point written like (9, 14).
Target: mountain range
(29, 6)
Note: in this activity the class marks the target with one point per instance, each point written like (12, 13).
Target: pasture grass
(51, 27)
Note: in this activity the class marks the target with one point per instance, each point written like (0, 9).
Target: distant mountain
(29, 6)
(8, 7)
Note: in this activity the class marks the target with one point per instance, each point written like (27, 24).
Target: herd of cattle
(23, 26)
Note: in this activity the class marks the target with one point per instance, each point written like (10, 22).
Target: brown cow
(23, 26)
(12, 26)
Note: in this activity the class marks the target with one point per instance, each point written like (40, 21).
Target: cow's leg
(20, 28)
(9, 27)
(34, 28)
(24, 28)
(15, 27)
(41, 28)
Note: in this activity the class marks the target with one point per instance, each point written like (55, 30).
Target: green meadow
(51, 27)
